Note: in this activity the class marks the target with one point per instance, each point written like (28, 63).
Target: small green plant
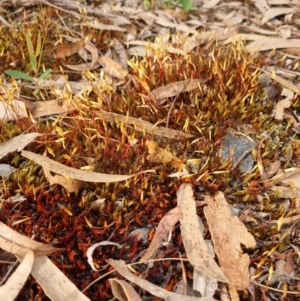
(35, 63)
(186, 4)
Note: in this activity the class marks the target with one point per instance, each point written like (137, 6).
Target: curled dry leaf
(165, 225)
(194, 244)
(175, 88)
(74, 173)
(54, 283)
(51, 107)
(67, 50)
(88, 66)
(123, 291)
(17, 143)
(228, 233)
(283, 103)
(157, 291)
(71, 185)
(91, 249)
(13, 110)
(18, 244)
(160, 155)
(112, 68)
(144, 126)
(17, 280)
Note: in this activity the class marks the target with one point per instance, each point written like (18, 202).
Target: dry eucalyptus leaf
(160, 155)
(144, 126)
(283, 103)
(274, 12)
(54, 283)
(112, 68)
(18, 244)
(157, 291)
(71, 185)
(91, 249)
(17, 143)
(228, 233)
(267, 43)
(13, 110)
(78, 174)
(123, 291)
(51, 107)
(67, 50)
(194, 244)
(165, 225)
(175, 88)
(16, 281)
(87, 66)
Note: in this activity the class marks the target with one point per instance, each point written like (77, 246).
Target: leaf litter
(266, 14)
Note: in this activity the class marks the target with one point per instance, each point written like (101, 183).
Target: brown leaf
(18, 244)
(12, 110)
(165, 225)
(175, 88)
(121, 268)
(228, 233)
(16, 281)
(67, 50)
(112, 68)
(78, 174)
(17, 143)
(193, 241)
(160, 155)
(54, 283)
(123, 291)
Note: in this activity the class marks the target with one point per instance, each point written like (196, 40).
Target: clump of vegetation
(229, 99)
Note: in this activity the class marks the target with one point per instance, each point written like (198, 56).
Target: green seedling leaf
(186, 4)
(31, 53)
(29, 42)
(19, 75)
(45, 74)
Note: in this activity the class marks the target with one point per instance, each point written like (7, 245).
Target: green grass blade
(19, 75)
(45, 74)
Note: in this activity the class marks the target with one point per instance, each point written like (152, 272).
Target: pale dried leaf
(228, 233)
(18, 244)
(194, 244)
(283, 103)
(160, 155)
(175, 88)
(123, 291)
(88, 66)
(144, 126)
(121, 268)
(285, 83)
(91, 249)
(112, 68)
(51, 107)
(262, 5)
(274, 12)
(272, 43)
(210, 3)
(54, 283)
(17, 143)
(205, 285)
(13, 110)
(16, 281)
(78, 174)
(165, 225)
(67, 50)
(71, 185)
